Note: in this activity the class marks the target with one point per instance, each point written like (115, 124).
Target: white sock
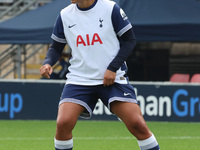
(68, 144)
(150, 143)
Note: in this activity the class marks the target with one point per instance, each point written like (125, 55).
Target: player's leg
(68, 114)
(75, 101)
(132, 117)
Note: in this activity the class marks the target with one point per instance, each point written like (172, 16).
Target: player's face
(76, 1)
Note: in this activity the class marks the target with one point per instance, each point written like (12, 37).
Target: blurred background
(167, 34)
(164, 67)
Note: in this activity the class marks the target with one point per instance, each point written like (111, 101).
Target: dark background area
(158, 64)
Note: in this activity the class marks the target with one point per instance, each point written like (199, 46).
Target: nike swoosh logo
(125, 94)
(71, 26)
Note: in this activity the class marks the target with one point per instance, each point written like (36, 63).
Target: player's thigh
(81, 95)
(127, 111)
(131, 115)
(68, 114)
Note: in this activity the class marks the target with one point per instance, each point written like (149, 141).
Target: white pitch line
(97, 138)
(181, 137)
(21, 139)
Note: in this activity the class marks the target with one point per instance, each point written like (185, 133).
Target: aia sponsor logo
(88, 40)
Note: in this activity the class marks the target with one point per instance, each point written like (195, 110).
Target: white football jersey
(92, 36)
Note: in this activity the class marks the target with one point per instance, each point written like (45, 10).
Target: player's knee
(63, 130)
(64, 123)
(137, 126)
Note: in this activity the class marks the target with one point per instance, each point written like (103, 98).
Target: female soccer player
(101, 38)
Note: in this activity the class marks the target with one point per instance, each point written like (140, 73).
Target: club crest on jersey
(123, 14)
(101, 22)
(89, 40)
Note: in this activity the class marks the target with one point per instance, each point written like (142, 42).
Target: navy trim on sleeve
(120, 21)
(54, 53)
(58, 31)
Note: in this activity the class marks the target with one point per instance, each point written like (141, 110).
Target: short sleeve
(58, 31)
(120, 21)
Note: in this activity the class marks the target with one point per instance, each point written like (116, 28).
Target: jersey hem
(88, 83)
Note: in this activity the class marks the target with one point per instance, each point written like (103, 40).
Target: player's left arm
(124, 30)
(127, 44)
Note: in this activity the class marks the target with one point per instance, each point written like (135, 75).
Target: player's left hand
(109, 78)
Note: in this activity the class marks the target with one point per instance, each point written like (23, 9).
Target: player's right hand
(46, 71)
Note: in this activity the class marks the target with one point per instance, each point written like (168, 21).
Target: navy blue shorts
(87, 96)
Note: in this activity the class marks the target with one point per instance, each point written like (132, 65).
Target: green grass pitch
(96, 135)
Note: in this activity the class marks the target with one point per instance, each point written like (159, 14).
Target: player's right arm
(56, 49)
(53, 54)
(46, 71)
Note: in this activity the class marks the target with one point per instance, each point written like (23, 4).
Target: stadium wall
(159, 101)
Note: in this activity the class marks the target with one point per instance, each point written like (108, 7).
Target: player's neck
(85, 3)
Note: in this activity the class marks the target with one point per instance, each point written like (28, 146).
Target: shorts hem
(76, 101)
(132, 100)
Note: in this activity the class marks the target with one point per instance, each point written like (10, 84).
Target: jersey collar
(88, 8)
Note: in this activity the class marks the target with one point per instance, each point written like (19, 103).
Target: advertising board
(38, 99)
